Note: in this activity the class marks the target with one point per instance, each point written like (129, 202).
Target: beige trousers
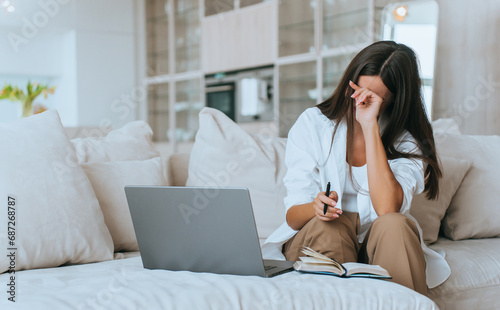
(392, 241)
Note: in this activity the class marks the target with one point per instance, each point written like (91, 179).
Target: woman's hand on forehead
(367, 104)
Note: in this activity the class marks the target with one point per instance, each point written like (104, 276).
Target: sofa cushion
(108, 180)
(125, 284)
(57, 217)
(474, 282)
(130, 142)
(429, 213)
(446, 125)
(224, 155)
(178, 165)
(473, 212)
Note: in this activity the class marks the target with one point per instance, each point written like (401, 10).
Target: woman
(373, 141)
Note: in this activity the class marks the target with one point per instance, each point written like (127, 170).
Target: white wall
(106, 61)
(66, 96)
(467, 80)
(18, 67)
(38, 43)
(86, 48)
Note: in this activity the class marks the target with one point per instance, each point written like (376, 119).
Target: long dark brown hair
(397, 65)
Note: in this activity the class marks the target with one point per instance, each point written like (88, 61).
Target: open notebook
(315, 262)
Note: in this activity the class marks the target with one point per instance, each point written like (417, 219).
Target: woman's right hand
(332, 212)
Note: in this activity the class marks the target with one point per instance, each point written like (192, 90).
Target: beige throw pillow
(55, 216)
(473, 212)
(225, 155)
(108, 180)
(429, 213)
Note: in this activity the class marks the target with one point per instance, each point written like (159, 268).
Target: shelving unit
(187, 107)
(333, 69)
(187, 35)
(295, 82)
(157, 38)
(213, 7)
(158, 98)
(245, 3)
(318, 39)
(296, 31)
(174, 77)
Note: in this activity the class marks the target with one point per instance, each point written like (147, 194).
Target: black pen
(327, 193)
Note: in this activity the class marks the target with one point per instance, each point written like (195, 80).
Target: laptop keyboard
(266, 268)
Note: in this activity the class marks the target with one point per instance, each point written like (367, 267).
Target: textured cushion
(473, 212)
(224, 155)
(131, 142)
(474, 282)
(108, 180)
(57, 217)
(429, 213)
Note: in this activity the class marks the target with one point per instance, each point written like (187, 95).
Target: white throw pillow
(225, 155)
(429, 213)
(473, 212)
(57, 218)
(131, 142)
(108, 180)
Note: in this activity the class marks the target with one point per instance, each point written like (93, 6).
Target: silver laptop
(201, 229)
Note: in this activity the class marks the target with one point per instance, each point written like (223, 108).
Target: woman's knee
(336, 227)
(394, 221)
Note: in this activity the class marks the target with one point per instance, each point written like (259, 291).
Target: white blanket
(125, 284)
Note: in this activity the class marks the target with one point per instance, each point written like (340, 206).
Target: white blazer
(307, 174)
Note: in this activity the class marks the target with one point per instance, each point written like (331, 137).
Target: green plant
(33, 90)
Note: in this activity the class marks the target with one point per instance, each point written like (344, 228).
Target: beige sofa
(466, 210)
(475, 263)
(76, 247)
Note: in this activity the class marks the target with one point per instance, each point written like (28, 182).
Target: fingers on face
(357, 93)
(362, 97)
(354, 86)
(360, 94)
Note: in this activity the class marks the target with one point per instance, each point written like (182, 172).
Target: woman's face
(375, 84)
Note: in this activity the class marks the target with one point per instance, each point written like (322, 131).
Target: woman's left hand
(367, 105)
